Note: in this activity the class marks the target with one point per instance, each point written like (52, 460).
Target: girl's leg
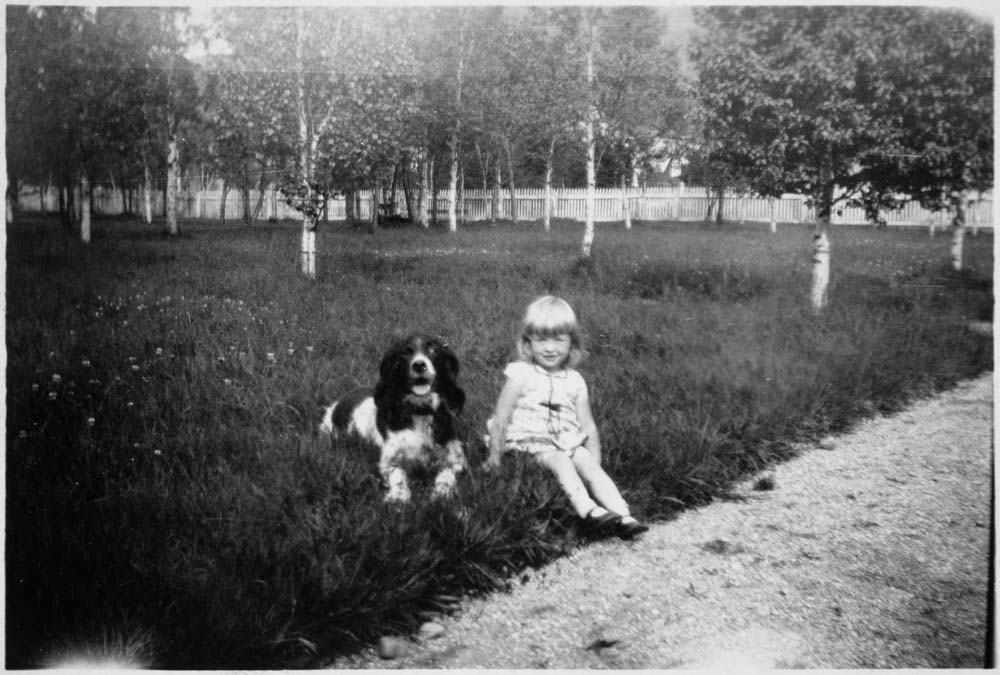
(601, 486)
(560, 464)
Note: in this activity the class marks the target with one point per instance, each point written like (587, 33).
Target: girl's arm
(588, 426)
(501, 418)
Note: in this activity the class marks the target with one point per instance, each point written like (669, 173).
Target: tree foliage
(802, 99)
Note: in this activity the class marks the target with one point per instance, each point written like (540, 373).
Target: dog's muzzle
(421, 376)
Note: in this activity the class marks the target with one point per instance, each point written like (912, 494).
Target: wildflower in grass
(157, 452)
(85, 363)
(56, 378)
(309, 349)
(91, 421)
(22, 434)
(159, 351)
(227, 381)
(270, 357)
(34, 386)
(53, 396)
(135, 367)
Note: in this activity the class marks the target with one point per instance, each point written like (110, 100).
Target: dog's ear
(446, 364)
(454, 397)
(389, 368)
(447, 361)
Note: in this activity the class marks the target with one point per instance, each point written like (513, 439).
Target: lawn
(168, 498)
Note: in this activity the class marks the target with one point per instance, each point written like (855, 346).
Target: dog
(410, 416)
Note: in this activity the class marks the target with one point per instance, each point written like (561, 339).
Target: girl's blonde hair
(549, 316)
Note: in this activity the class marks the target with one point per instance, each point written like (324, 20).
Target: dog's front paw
(444, 484)
(398, 487)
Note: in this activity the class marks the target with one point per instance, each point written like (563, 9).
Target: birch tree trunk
(84, 209)
(511, 188)
(626, 215)
(495, 204)
(172, 179)
(461, 193)
(422, 192)
(453, 188)
(588, 230)
(147, 193)
(224, 198)
(309, 215)
(957, 234)
(433, 191)
(774, 222)
(408, 196)
(453, 177)
(821, 246)
(547, 216)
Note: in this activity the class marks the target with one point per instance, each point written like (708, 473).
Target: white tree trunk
(84, 209)
(172, 179)
(626, 211)
(453, 178)
(774, 222)
(547, 216)
(588, 231)
(511, 188)
(453, 187)
(495, 205)
(423, 197)
(591, 199)
(957, 237)
(147, 194)
(309, 247)
(820, 271)
(309, 216)
(10, 210)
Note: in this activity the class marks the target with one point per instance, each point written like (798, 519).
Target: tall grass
(165, 484)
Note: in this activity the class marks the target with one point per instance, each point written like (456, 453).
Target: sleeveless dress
(544, 417)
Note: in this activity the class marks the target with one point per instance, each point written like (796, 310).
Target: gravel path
(871, 551)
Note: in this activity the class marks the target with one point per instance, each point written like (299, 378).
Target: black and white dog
(409, 416)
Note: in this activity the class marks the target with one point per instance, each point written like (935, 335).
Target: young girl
(544, 410)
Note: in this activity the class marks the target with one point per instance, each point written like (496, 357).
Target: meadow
(170, 504)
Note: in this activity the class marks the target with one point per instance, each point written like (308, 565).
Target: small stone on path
(391, 647)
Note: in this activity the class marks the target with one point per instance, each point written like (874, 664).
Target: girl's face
(550, 352)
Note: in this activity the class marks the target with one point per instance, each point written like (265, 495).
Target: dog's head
(420, 365)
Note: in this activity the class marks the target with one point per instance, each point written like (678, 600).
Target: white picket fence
(684, 203)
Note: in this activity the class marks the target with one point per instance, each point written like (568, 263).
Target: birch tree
(942, 71)
(804, 94)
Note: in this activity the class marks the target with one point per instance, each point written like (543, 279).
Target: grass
(166, 487)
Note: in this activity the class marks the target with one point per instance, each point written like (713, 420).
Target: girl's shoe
(600, 519)
(629, 527)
